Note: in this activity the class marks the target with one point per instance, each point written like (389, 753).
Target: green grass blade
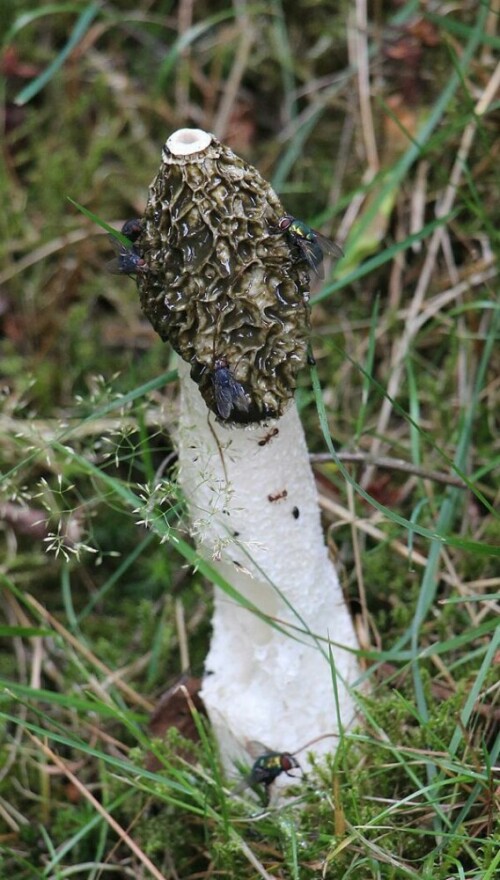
(80, 29)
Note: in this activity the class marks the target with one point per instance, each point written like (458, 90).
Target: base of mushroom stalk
(254, 513)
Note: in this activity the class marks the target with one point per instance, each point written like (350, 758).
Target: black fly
(132, 228)
(227, 391)
(127, 261)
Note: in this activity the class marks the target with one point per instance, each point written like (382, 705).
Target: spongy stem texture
(254, 513)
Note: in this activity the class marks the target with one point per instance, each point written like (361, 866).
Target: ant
(268, 437)
(279, 496)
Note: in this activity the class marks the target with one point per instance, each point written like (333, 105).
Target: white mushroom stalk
(249, 487)
(254, 513)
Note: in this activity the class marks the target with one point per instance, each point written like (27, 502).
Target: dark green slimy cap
(217, 282)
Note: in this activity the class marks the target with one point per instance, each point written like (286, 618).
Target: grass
(386, 136)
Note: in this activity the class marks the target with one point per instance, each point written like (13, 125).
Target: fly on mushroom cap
(217, 279)
(228, 392)
(311, 244)
(127, 260)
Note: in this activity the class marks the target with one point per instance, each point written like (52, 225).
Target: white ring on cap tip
(186, 141)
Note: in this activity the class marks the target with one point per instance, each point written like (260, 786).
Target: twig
(41, 253)
(180, 623)
(396, 464)
(184, 23)
(357, 554)
(148, 864)
(233, 81)
(247, 852)
(361, 56)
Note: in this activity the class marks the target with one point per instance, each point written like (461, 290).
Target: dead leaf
(174, 709)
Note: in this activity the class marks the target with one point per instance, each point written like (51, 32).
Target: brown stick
(395, 464)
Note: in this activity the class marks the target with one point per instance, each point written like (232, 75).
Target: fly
(228, 392)
(267, 767)
(311, 244)
(268, 764)
(127, 260)
(132, 228)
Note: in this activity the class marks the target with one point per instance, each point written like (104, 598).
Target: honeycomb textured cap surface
(219, 284)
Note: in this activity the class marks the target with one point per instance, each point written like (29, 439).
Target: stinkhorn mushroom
(228, 289)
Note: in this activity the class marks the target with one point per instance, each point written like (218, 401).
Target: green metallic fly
(311, 244)
(269, 764)
(267, 767)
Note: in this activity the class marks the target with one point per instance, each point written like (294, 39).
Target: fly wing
(114, 266)
(240, 399)
(245, 783)
(228, 393)
(223, 398)
(255, 749)
(328, 246)
(313, 253)
(127, 261)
